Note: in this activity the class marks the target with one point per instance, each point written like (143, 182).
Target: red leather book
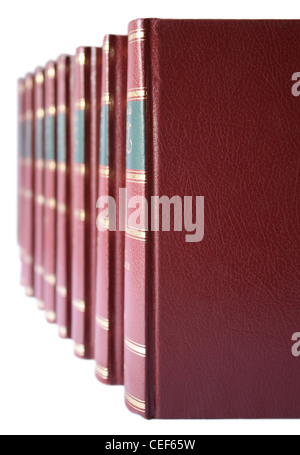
(21, 123)
(28, 190)
(64, 241)
(211, 310)
(50, 193)
(110, 248)
(84, 197)
(39, 115)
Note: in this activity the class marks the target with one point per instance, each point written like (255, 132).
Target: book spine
(28, 190)
(21, 122)
(136, 234)
(64, 243)
(110, 249)
(87, 122)
(50, 193)
(39, 115)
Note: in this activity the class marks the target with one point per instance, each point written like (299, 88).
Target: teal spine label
(28, 139)
(39, 126)
(104, 161)
(135, 151)
(50, 138)
(61, 138)
(79, 137)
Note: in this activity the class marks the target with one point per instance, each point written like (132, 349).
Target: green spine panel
(104, 136)
(50, 138)
(61, 138)
(39, 125)
(136, 136)
(28, 139)
(79, 137)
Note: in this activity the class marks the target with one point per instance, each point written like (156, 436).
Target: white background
(44, 389)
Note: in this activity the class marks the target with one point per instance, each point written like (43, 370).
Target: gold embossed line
(29, 292)
(39, 270)
(27, 194)
(29, 83)
(40, 113)
(41, 305)
(51, 111)
(80, 215)
(40, 164)
(63, 331)
(80, 169)
(103, 323)
(135, 348)
(136, 403)
(102, 372)
(62, 108)
(137, 94)
(50, 279)
(136, 234)
(51, 73)
(62, 167)
(81, 104)
(79, 349)
(40, 199)
(51, 316)
(50, 203)
(79, 305)
(50, 165)
(105, 99)
(104, 222)
(136, 176)
(39, 78)
(137, 35)
(104, 171)
(62, 291)
(80, 59)
(62, 208)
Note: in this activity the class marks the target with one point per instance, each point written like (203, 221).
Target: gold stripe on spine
(50, 279)
(81, 58)
(62, 108)
(40, 199)
(79, 349)
(81, 104)
(61, 67)
(104, 222)
(135, 348)
(136, 176)
(105, 100)
(40, 113)
(102, 372)
(63, 331)
(29, 292)
(79, 215)
(137, 404)
(51, 165)
(62, 167)
(62, 208)
(136, 35)
(102, 323)
(51, 316)
(79, 305)
(105, 47)
(80, 169)
(40, 164)
(29, 82)
(21, 87)
(104, 171)
(27, 194)
(39, 78)
(29, 115)
(136, 234)
(51, 73)
(50, 203)
(41, 305)
(51, 111)
(137, 94)
(39, 270)
(62, 291)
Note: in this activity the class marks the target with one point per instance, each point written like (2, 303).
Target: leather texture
(222, 123)
(110, 249)
(64, 213)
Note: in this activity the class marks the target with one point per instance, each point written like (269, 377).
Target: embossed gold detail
(81, 58)
(51, 73)
(79, 215)
(51, 316)
(79, 349)
(51, 111)
(135, 348)
(39, 270)
(50, 279)
(40, 113)
(136, 94)
(80, 169)
(102, 323)
(136, 176)
(136, 234)
(104, 171)
(40, 199)
(137, 35)
(102, 372)
(105, 100)
(81, 104)
(79, 305)
(62, 291)
(39, 78)
(63, 331)
(137, 404)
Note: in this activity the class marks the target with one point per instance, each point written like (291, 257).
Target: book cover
(110, 248)
(212, 298)
(63, 235)
(84, 197)
(39, 199)
(50, 192)
(21, 123)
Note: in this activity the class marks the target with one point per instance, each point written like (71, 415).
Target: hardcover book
(84, 196)
(212, 302)
(27, 224)
(110, 249)
(64, 240)
(39, 163)
(21, 120)
(50, 193)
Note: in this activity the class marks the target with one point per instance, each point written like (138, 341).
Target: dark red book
(110, 248)
(212, 306)
(63, 235)
(87, 88)
(27, 223)
(21, 149)
(50, 193)
(39, 164)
